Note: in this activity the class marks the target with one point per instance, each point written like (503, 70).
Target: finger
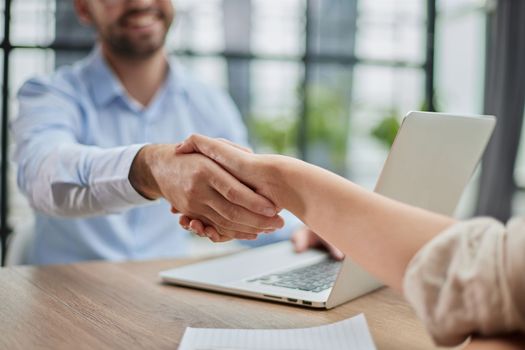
(241, 147)
(300, 240)
(174, 210)
(219, 222)
(197, 143)
(238, 218)
(334, 252)
(238, 164)
(229, 157)
(197, 227)
(201, 229)
(233, 234)
(237, 193)
(184, 221)
(237, 235)
(197, 223)
(214, 236)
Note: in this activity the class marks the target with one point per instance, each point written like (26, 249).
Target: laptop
(429, 164)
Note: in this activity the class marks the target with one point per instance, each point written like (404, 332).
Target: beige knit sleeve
(470, 279)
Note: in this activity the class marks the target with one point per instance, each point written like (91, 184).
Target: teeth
(142, 21)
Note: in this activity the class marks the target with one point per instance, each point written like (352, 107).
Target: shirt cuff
(114, 190)
(128, 190)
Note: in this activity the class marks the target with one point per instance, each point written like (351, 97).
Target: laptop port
(307, 302)
(292, 300)
(272, 296)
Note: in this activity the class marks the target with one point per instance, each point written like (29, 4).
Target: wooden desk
(124, 306)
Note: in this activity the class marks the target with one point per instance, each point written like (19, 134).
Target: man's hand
(304, 239)
(201, 189)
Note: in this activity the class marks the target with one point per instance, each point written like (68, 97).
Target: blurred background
(325, 80)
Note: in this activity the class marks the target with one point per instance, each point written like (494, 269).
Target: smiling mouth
(141, 20)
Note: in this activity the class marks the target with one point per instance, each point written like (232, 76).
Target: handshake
(223, 191)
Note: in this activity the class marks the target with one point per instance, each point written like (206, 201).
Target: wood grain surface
(102, 305)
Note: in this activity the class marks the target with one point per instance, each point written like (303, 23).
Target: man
(95, 147)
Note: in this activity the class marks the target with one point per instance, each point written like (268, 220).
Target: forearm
(380, 234)
(385, 236)
(511, 342)
(73, 180)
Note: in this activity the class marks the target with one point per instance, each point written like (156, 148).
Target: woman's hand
(304, 239)
(257, 171)
(253, 170)
(509, 342)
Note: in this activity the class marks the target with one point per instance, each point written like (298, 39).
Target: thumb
(232, 158)
(242, 148)
(185, 147)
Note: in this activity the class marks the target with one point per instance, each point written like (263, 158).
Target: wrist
(141, 173)
(279, 177)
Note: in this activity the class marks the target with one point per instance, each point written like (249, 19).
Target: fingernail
(269, 212)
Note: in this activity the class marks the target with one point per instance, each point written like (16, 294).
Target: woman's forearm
(380, 234)
(511, 342)
(383, 236)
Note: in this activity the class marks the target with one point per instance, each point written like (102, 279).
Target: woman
(462, 278)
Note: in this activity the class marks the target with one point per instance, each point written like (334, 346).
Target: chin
(142, 48)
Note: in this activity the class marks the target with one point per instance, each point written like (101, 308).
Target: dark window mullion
(5, 229)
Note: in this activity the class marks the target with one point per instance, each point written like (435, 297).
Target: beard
(142, 45)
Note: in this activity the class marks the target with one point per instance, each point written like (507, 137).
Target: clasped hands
(222, 190)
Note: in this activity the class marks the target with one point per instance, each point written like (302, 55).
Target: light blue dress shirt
(76, 135)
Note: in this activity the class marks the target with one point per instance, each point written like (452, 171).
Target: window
(326, 80)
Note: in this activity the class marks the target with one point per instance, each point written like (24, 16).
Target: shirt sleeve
(469, 280)
(60, 176)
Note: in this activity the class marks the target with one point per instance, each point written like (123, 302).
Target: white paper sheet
(350, 334)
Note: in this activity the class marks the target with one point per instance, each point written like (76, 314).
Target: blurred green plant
(328, 123)
(386, 130)
(277, 133)
(327, 118)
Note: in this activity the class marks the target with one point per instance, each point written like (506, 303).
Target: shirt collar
(106, 86)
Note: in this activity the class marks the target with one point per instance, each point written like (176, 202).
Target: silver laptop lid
(429, 165)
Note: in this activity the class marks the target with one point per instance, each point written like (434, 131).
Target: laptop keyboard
(313, 278)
